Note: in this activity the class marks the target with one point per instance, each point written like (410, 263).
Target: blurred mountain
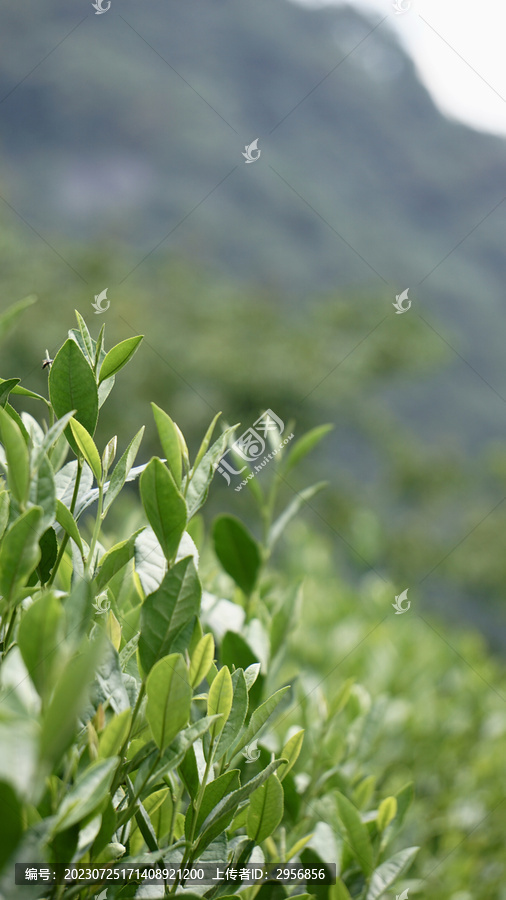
(130, 126)
(126, 130)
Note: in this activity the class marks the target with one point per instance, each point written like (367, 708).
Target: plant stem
(126, 742)
(10, 630)
(127, 813)
(188, 857)
(65, 540)
(96, 530)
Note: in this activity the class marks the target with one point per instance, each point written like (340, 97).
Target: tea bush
(132, 700)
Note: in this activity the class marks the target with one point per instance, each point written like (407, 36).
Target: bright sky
(448, 39)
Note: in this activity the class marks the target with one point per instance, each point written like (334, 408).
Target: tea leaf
(164, 505)
(304, 445)
(386, 874)
(238, 553)
(169, 440)
(39, 637)
(169, 699)
(201, 660)
(72, 386)
(265, 810)
(386, 812)
(65, 518)
(89, 791)
(357, 833)
(118, 357)
(122, 469)
(166, 612)
(291, 751)
(9, 318)
(291, 511)
(87, 447)
(6, 387)
(19, 552)
(220, 699)
(18, 461)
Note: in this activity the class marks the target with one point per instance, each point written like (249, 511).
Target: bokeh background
(271, 285)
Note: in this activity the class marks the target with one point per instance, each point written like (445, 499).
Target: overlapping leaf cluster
(132, 702)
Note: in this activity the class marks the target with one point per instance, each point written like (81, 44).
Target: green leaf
(149, 562)
(50, 438)
(18, 460)
(166, 612)
(170, 442)
(11, 412)
(386, 874)
(285, 617)
(119, 356)
(207, 440)
(40, 635)
(304, 445)
(357, 833)
(18, 759)
(265, 810)
(65, 518)
(24, 392)
(9, 318)
(89, 791)
(291, 751)
(235, 720)
(201, 660)
(5, 389)
(202, 475)
(161, 814)
(164, 505)
(220, 698)
(339, 891)
(115, 559)
(174, 754)
(72, 386)
(4, 511)
(169, 699)
(143, 828)
(19, 552)
(236, 550)
(122, 468)
(48, 554)
(43, 493)
(225, 810)
(214, 792)
(404, 799)
(291, 511)
(11, 822)
(78, 611)
(259, 718)
(69, 698)
(86, 337)
(87, 447)
(114, 734)
(386, 812)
